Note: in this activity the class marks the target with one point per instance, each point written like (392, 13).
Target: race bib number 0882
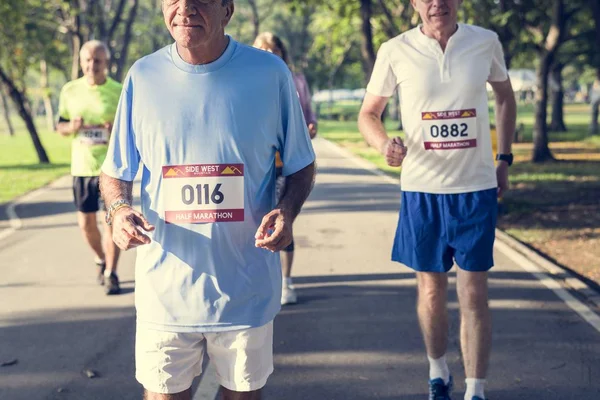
(449, 130)
(203, 193)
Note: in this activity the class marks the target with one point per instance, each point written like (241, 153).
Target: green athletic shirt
(97, 105)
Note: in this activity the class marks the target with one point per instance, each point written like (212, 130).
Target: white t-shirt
(444, 106)
(206, 137)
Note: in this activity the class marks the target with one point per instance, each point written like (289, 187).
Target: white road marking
(575, 304)
(13, 217)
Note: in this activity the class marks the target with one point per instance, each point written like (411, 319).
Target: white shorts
(168, 362)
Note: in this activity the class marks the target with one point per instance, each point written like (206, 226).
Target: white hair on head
(93, 45)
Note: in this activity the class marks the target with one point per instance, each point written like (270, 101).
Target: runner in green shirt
(87, 109)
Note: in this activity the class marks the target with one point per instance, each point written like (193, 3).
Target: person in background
(86, 111)
(273, 44)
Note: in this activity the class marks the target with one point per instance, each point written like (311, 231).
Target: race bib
(202, 193)
(449, 130)
(93, 136)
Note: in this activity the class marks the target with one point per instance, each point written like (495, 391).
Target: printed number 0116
(201, 194)
(453, 130)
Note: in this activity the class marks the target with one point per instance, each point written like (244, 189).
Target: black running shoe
(111, 284)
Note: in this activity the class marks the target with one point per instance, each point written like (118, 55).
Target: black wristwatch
(505, 157)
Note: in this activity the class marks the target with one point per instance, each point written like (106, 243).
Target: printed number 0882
(453, 130)
(201, 194)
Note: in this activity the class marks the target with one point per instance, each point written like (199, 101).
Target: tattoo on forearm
(115, 189)
(298, 187)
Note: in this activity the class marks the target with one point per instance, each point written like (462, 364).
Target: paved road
(354, 334)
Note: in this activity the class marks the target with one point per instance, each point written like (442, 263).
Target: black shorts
(86, 193)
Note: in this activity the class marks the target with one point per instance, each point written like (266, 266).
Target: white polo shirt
(444, 106)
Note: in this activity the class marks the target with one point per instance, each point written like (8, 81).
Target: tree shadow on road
(357, 337)
(54, 347)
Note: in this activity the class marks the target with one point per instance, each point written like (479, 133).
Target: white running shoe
(288, 295)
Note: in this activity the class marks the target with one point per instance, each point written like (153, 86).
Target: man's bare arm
(297, 189)
(127, 223)
(506, 114)
(372, 129)
(115, 189)
(67, 128)
(369, 121)
(275, 231)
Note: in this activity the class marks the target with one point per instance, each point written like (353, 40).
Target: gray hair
(93, 45)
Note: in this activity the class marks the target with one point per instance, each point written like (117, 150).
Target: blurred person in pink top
(273, 44)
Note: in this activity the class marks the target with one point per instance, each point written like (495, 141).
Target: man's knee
(87, 222)
(432, 288)
(473, 297)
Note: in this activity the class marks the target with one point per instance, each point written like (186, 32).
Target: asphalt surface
(353, 335)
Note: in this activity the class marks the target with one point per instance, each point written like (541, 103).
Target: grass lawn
(553, 207)
(20, 171)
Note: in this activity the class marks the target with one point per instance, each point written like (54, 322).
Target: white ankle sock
(107, 273)
(287, 282)
(474, 388)
(439, 369)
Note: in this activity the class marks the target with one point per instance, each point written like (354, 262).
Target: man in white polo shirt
(205, 117)
(449, 182)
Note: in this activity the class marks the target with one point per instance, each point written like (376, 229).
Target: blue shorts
(434, 229)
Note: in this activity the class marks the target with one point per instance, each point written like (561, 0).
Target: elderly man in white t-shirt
(449, 181)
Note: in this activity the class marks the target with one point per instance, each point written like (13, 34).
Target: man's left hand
(502, 176)
(312, 130)
(274, 232)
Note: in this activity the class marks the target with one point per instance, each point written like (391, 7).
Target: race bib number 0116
(93, 136)
(202, 193)
(449, 130)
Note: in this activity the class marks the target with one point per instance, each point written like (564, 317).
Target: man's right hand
(76, 124)
(394, 152)
(127, 225)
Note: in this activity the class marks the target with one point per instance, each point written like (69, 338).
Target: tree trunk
(46, 95)
(6, 112)
(25, 113)
(552, 42)
(594, 129)
(304, 40)
(366, 48)
(255, 17)
(595, 105)
(557, 123)
(541, 151)
(76, 46)
(126, 41)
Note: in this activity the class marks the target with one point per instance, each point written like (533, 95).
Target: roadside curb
(14, 221)
(563, 275)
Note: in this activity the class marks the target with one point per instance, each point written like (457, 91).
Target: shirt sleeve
(498, 72)
(63, 111)
(305, 99)
(294, 142)
(383, 81)
(123, 159)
